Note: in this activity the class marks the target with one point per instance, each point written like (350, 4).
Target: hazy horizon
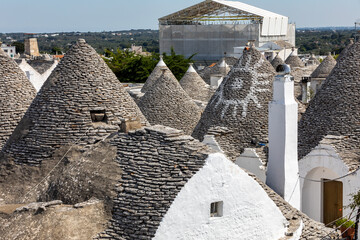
(40, 16)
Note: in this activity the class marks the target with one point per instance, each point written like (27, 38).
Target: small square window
(98, 115)
(216, 209)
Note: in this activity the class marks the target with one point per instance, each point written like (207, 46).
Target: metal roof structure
(228, 12)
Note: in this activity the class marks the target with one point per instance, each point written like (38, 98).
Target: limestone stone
(294, 61)
(277, 61)
(325, 68)
(240, 104)
(155, 74)
(16, 95)
(195, 86)
(167, 103)
(335, 110)
(82, 101)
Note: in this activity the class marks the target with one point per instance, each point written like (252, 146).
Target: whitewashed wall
(248, 212)
(324, 163)
(250, 161)
(36, 79)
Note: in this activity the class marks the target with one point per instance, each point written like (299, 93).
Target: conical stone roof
(277, 61)
(325, 68)
(166, 103)
(195, 86)
(16, 95)
(314, 60)
(335, 110)
(221, 67)
(155, 74)
(238, 111)
(82, 101)
(294, 61)
(346, 49)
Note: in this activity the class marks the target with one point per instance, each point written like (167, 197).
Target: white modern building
(213, 28)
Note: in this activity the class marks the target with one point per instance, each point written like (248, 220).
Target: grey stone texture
(294, 61)
(335, 110)
(277, 61)
(240, 105)
(344, 52)
(156, 162)
(154, 76)
(16, 95)
(40, 65)
(82, 101)
(325, 68)
(313, 60)
(195, 86)
(206, 73)
(166, 103)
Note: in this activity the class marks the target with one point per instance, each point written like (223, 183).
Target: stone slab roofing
(240, 105)
(16, 95)
(206, 73)
(325, 68)
(167, 103)
(40, 65)
(155, 74)
(294, 61)
(157, 162)
(344, 52)
(314, 60)
(81, 101)
(335, 110)
(195, 86)
(277, 61)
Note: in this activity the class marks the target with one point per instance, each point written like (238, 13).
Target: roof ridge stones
(16, 95)
(81, 100)
(167, 103)
(155, 74)
(335, 109)
(195, 86)
(325, 68)
(240, 104)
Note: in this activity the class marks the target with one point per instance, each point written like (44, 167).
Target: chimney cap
(283, 69)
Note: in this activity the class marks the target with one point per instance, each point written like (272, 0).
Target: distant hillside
(57, 42)
(319, 41)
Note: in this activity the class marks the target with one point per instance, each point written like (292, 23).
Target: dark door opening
(332, 201)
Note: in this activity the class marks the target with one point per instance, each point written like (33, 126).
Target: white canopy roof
(210, 11)
(250, 9)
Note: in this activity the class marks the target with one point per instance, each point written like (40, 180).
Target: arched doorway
(322, 201)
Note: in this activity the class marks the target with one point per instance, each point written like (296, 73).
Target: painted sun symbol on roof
(257, 85)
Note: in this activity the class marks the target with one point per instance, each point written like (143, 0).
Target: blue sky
(99, 15)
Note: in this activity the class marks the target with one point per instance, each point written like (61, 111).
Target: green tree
(56, 50)
(129, 67)
(19, 47)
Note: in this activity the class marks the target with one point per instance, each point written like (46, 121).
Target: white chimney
(283, 170)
